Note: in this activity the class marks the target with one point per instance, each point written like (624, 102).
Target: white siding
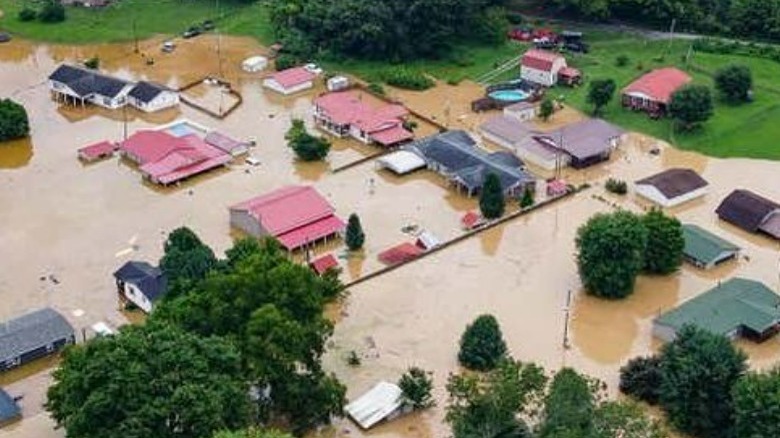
(134, 295)
(276, 86)
(653, 194)
(166, 99)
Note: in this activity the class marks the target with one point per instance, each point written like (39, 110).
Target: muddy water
(80, 222)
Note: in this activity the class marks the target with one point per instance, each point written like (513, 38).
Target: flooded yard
(78, 223)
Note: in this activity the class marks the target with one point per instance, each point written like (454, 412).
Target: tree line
(391, 30)
(749, 19)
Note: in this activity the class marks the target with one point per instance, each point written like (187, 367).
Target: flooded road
(81, 222)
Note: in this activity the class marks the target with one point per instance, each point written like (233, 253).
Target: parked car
(520, 34)
(545, 43)
(313, 68)
(192, 32)
(207, 25)
(252, 160)
(168, 47)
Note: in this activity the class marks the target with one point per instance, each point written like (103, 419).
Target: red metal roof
(97, 150)
(471, 220)
(348, 108)
(293, 77)
(540, 59)
(660, 84)
(569, 72)
(400, 254)
(324, 263)
(287, 208)
(391, 136)
(311, 232)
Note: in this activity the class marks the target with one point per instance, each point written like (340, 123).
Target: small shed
(338, 83)
(704, 249)
(401, 162)
(290, 81)
(400, 254)
(557, 187)
(382, 402)
(97, 151)
(522, 111)
(471, 220)
(227, 144)
(254, 64)
(427, 241)
(9, 410)
(324, 264)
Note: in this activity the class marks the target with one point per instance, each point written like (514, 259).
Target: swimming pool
(515, 95)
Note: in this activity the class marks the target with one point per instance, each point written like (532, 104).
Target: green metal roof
(735, 303)
(703, 246)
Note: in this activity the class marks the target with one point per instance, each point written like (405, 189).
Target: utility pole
(124, 122)
(135, 34)
(671, 35)
(567, 313)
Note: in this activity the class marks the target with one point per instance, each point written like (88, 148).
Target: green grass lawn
(749, 130)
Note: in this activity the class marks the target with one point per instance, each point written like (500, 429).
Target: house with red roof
(291, 80)
(345, 113)
(544, 67)
(653, 91)
(164, 158)
(296, 216)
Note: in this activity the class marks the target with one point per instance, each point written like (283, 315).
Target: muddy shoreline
(75, 221)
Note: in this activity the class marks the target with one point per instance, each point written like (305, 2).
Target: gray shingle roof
(149, 279)
(85, 82)
(8, 407)
(32, 331)
(146, 91)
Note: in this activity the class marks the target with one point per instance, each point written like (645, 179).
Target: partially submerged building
(141, 284)
(456, 156)
(401, 162)
(345, 113)
(78, 85)
(653, 91)
(704, 249)
(672, 187)
(736, 308)
(382, 402)
(290, 81)
(751, 212)
(33, 335)
(9, 410)
(297, 216)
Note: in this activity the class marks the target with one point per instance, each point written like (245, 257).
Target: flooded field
(77, 223)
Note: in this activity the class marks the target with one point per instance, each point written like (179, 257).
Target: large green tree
(482, 346)
(698, 373)
(150, 380)
(734, 82)
(491, 405)
(354, 235)
(13, 120)
(600, 92)
(186, 260)
(641, 378)
(665, 243)
(273, 308)
(691, 106)
(417, 384)
(491, 197)
(568, 406)
(252, 433)
(625, 420)
(610, 253)
(757, 405)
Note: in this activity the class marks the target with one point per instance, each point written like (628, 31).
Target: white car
(252, 161)
(313, 68)
(168, 47)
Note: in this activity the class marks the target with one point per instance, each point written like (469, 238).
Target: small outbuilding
(97, 151)
(541, 67)
(9, 410)
(704, 249)
(33, 335)
(254, 64)
(751, 212)
(226, 144)
(736, 308)
(324, 264)
(338, 83)
(401, 253)
(141, 284)
(522, 111)
(401, 162)
(150, 97)
(290, 81)
(672, 187)
(383, 402)
(427, 241)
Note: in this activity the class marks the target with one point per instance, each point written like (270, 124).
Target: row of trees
(237, 342)
(514, 399)
(393, 30)
(613, 249)
(700, 380)
(749, 19)
(14, 122)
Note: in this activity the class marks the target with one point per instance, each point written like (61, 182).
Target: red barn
(653, 92)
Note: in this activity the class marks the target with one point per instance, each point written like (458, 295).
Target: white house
(541, 67)
(522, 111)
(383, 402)
(141, 284)
(290, 81)
(672, 187)
(254, 64)
(74, 84)
(150, 97)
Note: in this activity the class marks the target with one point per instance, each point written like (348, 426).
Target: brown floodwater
(80, 222)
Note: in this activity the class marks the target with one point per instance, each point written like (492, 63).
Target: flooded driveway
(80, 222)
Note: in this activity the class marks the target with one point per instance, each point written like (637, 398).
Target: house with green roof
(737, 307)
(704, 249)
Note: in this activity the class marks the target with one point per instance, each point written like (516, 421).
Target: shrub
(641, 378)
(353, 359)
(528, 199)
(14, 122)
(27, 14)
(285, 61)
(376, 88)
(92, 63)
(514, 17)
(734, 82)
(546, 109)
(622, 61)
(416, 385)
(306, 146)
(52, 12)
(616, 186)
(408, 79)
(491, 197)
(354, 235)
(482, 345)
